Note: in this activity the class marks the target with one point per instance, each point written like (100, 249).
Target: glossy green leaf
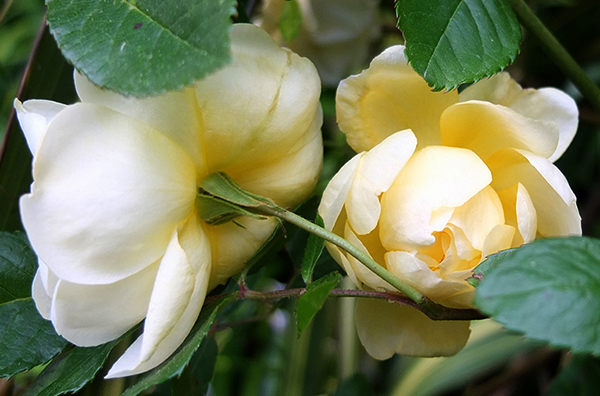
(312, 301)
(18, 264)
(70, 371)
(452, 42)
(314, 248)
(580, 377)
(178, 361)
(26, 339)
(549, 290)
(291, 20)
(143, 47)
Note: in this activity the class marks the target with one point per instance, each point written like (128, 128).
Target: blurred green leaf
(452, 42)
(580, 377)
(356, 385)
(291, 20)
(70, 371)
(18, 264)
(26, 339)
(203, 364)
(549, 290)
(144, 47)
(314, 248)
(180, 358)
(312, 301)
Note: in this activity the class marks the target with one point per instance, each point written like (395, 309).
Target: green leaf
(203, 364)
(314, 247)
(18, 264)
(70, 371)
(145, 47)
(580, 377)
(180, 358)
(490, 262)
(312, 301)
(291, 20)
(26, 339)
(356, 385)
(452, 42)
(549, 290)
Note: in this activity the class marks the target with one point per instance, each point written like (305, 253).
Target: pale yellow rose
(335, 34)
(441, 181)
(112, 212)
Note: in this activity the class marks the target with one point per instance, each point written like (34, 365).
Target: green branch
(557, 52)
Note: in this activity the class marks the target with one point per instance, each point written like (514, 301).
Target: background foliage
(253, 347)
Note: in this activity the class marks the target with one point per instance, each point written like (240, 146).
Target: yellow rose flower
(112, 211)
(442, 180)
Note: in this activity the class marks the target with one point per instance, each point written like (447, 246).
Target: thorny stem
(557, 52)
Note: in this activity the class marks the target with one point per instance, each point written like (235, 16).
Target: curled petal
(108, 193)
(376, 172)
(520, 213)
(385, 329)
(434, 179)
(34, 117)
(336, 192)
(389, 97)
(363, 274)
(546, 104)
(486, 128)
(260, 105)
(177, 298)
(554, 202)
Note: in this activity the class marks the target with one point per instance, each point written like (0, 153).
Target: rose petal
(486, 128)
(177, 298)
(415, 272)
(520, 213)
(435, 177)
(389, 97)
(108, 193)
(336, 192)
(385, 329)
(234, 243)
(251, 108)
(376, 172)
(34, 117)
(554, 202)
(500, 238)
(289, 178)
(89, 315)
(545, 104)
(175, 114)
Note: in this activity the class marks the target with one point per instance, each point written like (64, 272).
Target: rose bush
(112, 211)
(334, 34)
(441, 181)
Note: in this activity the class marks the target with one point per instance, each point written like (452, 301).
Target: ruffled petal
(385, 329)
(545, 104)
(260, 105)
(232, 244)
(554, 202)
(415, 272)
(376, 172)
(89, 315)
(486, 128)
(34, 117)
(108, 193)
(434, 178)
(389, 97)
(175, 114)
(177, 298)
